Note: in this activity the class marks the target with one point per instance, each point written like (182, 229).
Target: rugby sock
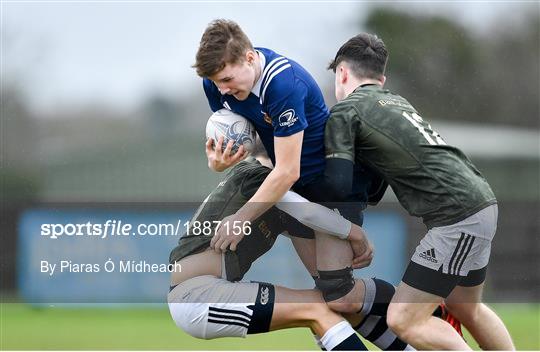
(373, 326)
(341, 337)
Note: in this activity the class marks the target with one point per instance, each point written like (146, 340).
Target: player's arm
(285, 173)
(314, 215)
(338, 178)
(324, 220)
(339, 142)
(287, 98)
(340, 138)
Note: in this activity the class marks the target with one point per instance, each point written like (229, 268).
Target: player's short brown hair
(223, 42)
(365, 53)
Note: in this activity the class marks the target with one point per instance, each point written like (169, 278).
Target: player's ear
(343, 74)
(250, 56)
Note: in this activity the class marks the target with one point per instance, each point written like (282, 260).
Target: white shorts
(207, 307)
(456, 254)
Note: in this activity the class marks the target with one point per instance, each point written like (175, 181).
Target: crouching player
(206, 301)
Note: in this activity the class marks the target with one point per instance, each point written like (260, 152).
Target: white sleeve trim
(314, 215)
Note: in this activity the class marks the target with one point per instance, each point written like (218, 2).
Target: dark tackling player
(206, 304)
(432, 180)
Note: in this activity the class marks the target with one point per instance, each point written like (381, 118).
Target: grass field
(27, 328)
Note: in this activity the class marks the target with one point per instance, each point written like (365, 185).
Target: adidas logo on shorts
(429, 255)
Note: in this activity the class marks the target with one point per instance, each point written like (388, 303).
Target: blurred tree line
(447, 71)
(19, 180)
(451, 73)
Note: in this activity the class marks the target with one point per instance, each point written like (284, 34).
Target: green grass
(26, 328)
(523, 322)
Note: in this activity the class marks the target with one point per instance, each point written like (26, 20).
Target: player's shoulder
(368, 94)
(386, 99)
(279, 76)
(362, 101)
(346, 108)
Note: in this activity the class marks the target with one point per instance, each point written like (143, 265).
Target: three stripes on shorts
(461, 252)
(229, 317)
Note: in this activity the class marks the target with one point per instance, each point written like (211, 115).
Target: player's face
(236, 79)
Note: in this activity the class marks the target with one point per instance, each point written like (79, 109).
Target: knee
(335, 284)
(398, 321)
(318, 314)
(340, 290)
(344, 305)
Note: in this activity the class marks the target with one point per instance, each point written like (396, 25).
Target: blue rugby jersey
(285, 100)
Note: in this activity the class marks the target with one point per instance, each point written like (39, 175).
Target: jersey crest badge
(287, 118)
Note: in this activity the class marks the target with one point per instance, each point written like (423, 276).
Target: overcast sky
(118, 52)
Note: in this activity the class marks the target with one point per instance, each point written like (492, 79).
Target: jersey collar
(366, 85)
(257, 87)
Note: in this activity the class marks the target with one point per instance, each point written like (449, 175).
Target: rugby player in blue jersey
(287, 108)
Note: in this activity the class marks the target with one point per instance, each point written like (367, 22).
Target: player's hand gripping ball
(232, 127)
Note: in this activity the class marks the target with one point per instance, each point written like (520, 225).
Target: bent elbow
(294, 176)
(288, 176)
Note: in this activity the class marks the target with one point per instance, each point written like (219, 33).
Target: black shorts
(439, 283)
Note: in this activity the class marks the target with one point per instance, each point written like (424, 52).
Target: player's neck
(355, 83)
(368, 81)
(257, 68)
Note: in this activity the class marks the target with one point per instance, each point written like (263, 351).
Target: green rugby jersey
(430, 178)
(239, 185)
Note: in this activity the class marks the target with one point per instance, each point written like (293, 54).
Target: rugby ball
(232, 127)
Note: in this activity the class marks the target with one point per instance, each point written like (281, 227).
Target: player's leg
(373, 296)
(465, 301)
(366, 305)
(207, 307)
(444, 259)
(370, 321)
(363, 302)
(305, 249)
(422, 290)
(483, 323)
(410, 317)
(336, 281)
(294, 308)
